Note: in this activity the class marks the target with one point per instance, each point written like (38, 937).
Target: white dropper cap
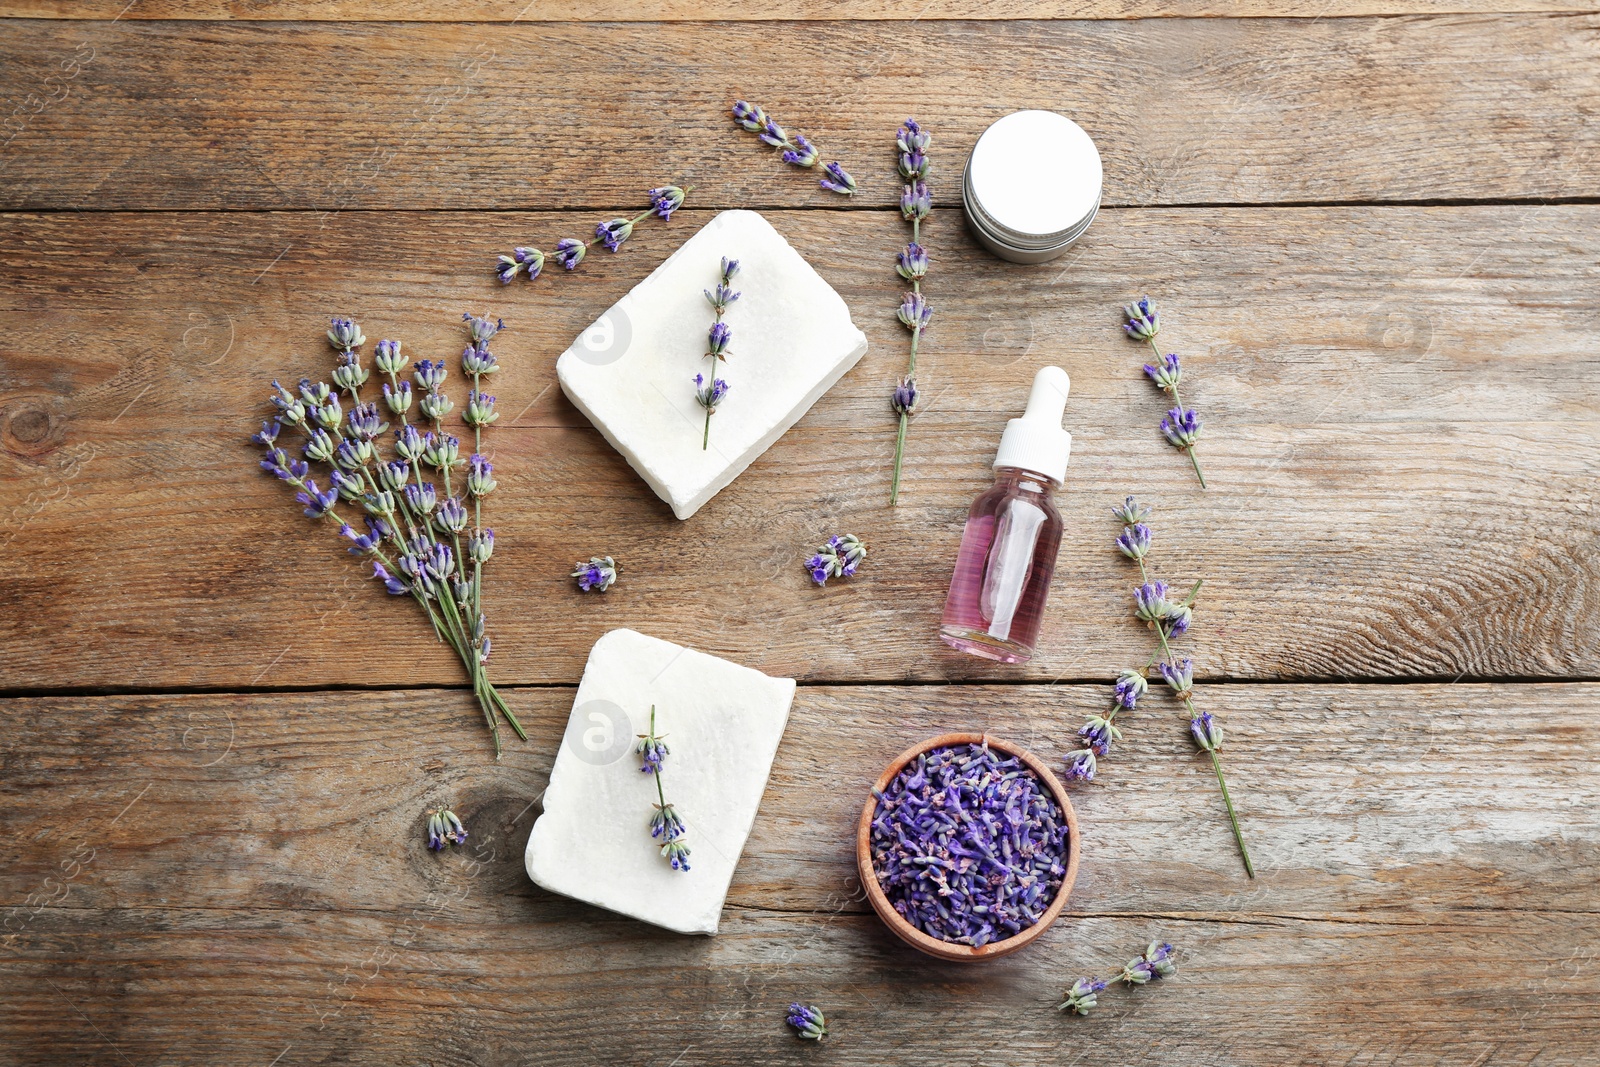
(1036, 442)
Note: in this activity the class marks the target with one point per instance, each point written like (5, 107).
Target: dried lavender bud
(773, 134)
(387, 358)
(315, 394)
(1081, 765)
(422, 499)
(1131, 512)
(443, 826)
(531, 260)
(1179, 676)
(1150, 602)
(915, 201)
(344, 333)
(904, 397)
(1098, 733)
(441, 451)
(398, 398)
(350, 489)
(808, 1022)
(452, 516)
(395, 586)
(678, 853)
(329, 416)
(570, 252)
(613, 233)
(1181, 427)
(839, 557)
(480, 409)
(1166, 374)
(838, 181)
(1155, 963)
(477, 360)
(430, 374)
(912, 264)
(749, 116)
(666, 200)
(364, 544)
(435, 406)
(915, 312)
(316, 503)
(717, 339)
(1131, 685)
(1207, 734)
(364, 421)
(652, 750)
(711, 395)
(665, 823)
(380, 503)
(1134, 541)
(481, 546)
(803, 154)
(968, 847)
(481, 330)
(1081, 997)
(1143, 322)
(480, 476)
(598, 575)
(348, 374)
(409, 444)
(913, 141)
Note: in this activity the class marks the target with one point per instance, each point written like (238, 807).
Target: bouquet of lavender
(912, 265)
(419, 541)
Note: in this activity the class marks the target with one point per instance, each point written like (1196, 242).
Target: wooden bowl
(933, 946)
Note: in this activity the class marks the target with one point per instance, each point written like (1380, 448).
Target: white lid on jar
(1035, 173)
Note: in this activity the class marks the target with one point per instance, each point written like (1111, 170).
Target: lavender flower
(387, 358)
(838, 181)
(1170, 618)
(441, 451)
(915, 313)
(665, 826)
(364, 544)
(394, 474)
(329, 415)
(480, 409)
(398, 397)
(1081, 997)
(665, 200)
(481, 328)
(723, 295)
(444, 826)
(395, 586)
(1143, 321)
(348, 373)
(652, 751)
(1166, 374)
(717, 342)
(477, 360)
(452, 517)
(904, 398)
(421, 498)
(839, 557)
(480, 476)
(710, 394)
(430, 374)
(808, 1022)
(1181, 427)
(1134, 541)
(349, 488)
(613, 233)
(1206, 733)
(269, 433)
(521, 259)
(409, 443)
(797, 151)
(677, 853)
(916, 202)
(1081, 765)
(480, 547)
(1131, 685)
(570, 252)
(598, 575)
(1155, 963)
(1098, 733)
(913, 143)
(912, 264)
(345, 334)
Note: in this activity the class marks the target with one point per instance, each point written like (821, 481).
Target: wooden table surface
(1373, 228)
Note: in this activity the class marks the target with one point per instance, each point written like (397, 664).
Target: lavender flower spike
(613, 233)
(1134, 541)
(838, 181)
(1081, 765)
(808, 1022)
(1155, 963)
(1206, 733)
(840, 557)
(904, 398)
(915, 312)
(1081, 997)
(444, 826)
(596, 576)
(1131, 512)
(1143, 321)
(1131, 685)
(665, 200)
(1098, 733)
(570, 252)
(1166, 374)
(345, 334)
(1179, 676)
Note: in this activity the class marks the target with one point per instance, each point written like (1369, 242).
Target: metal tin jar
(1032, 186)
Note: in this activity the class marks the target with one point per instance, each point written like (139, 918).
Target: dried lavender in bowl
(968, 846)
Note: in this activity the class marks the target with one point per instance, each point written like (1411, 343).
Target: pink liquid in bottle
(1008, 550)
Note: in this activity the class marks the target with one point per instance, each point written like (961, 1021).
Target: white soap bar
(721, 723)
(632, 372)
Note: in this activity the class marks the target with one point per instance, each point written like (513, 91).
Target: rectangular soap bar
(632, 372)
(721, 723)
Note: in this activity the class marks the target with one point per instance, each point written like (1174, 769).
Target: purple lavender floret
(968, 845)
(1131, 685)
(569, 252)
(838, 181)
(1181, 427)
(1081, 765)
(808, 1022)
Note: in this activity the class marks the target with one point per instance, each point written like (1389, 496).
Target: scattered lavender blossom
(414, 528)
(444, 828)
(1081, 997)
(665, 825)
(839, 557)
(912, 266)
(1156, 962)
(797, 151)
(710, 392)
(598, 575)
(808, 1022)
(569, 251)
(968, 846)
(1181, 426)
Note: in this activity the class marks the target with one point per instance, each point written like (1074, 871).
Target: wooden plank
(235, 878)
(182, 115)
(806, 10)
(1401, 444)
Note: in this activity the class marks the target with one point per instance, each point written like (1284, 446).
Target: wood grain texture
(186, 115)
(1402, 437)
(1402, 442)
(808, 10)
(233, 878)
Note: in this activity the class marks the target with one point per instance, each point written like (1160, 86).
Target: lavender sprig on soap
(419, 536)
(709, 389)
(912, 265)
(570, 251)
(665, 825)
(1181, 426)
(798, 151)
